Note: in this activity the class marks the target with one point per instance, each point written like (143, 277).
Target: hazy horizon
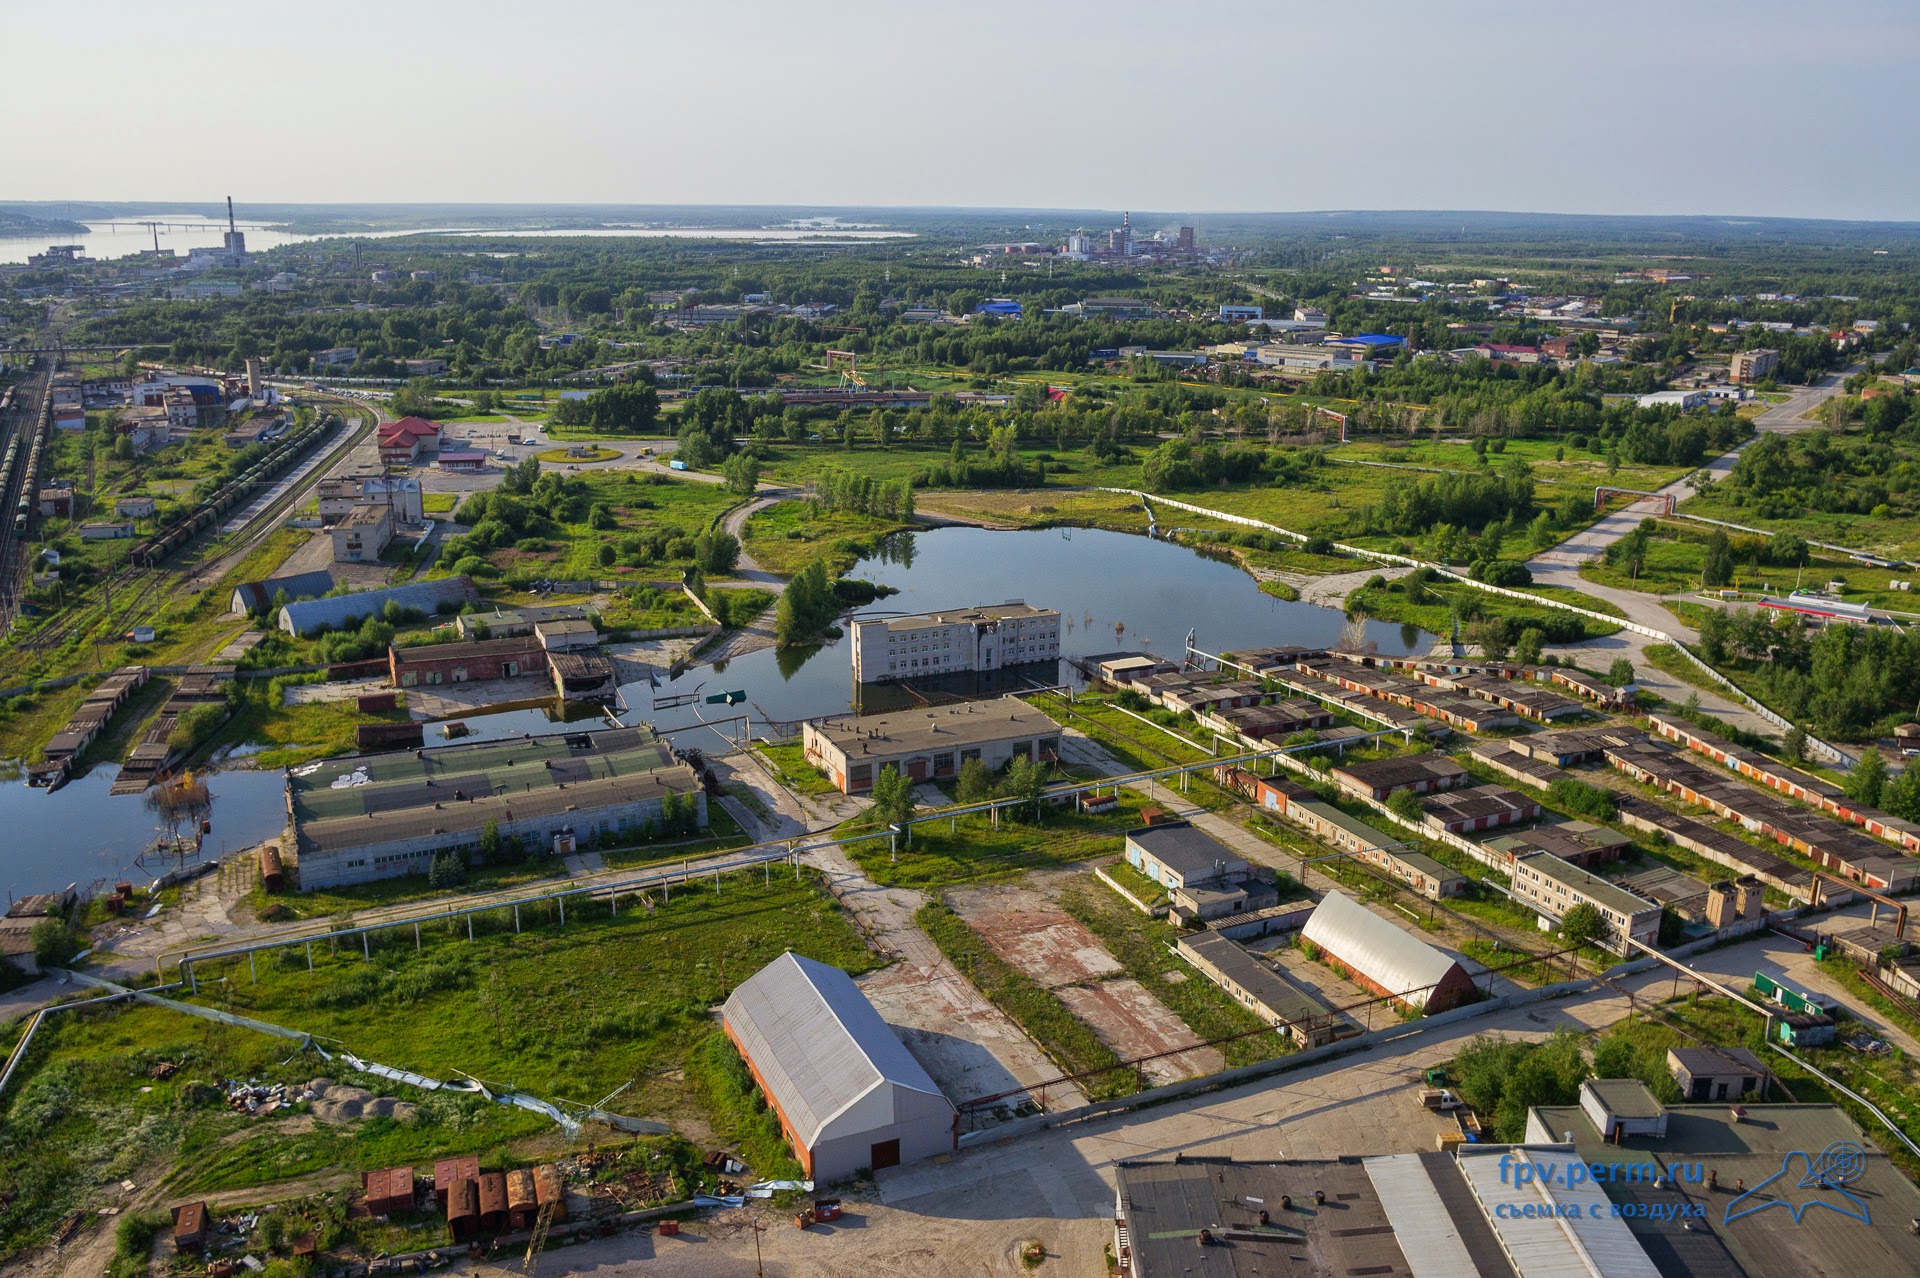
(1714, 109)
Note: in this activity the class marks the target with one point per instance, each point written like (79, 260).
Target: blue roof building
(1004, 307)
(257, 596)
(337, 612)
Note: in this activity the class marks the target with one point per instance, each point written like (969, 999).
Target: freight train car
(231, 495)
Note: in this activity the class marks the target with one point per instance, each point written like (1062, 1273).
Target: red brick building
(441, 663)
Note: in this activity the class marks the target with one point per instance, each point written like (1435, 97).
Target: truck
(1439, 1099)
(677, 464)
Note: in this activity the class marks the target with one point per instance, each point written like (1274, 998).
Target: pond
(1115, 591)
(78, 834)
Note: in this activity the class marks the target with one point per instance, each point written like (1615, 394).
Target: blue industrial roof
(308, 615)
(256, 595)
(998, 308)
(1373, 339)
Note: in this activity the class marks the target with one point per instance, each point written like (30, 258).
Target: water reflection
(1114, 590)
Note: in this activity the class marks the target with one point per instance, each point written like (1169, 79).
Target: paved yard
(1026, 929)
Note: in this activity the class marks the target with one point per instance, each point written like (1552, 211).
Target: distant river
(123, 237)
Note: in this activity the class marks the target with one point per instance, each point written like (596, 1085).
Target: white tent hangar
(848, 1093)
(1381, 956)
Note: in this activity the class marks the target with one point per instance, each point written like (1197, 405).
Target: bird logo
(1838, 1165)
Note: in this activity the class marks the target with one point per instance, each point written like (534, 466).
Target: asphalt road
(1560, 566)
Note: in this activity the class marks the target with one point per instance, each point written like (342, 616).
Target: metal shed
(463, 1208)
(1385, 958)
(521, 1203)
(550, 1187)
(848, 1093)
(389, 1190)
(304, 616)
(493, 1202)
(190, 1226)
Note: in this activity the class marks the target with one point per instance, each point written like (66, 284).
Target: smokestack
(230, 226)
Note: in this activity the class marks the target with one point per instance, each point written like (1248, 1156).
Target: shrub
(1504, 572)
(1405, 804)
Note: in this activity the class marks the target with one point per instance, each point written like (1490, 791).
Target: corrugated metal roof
(1415, 1210)
(1384, 953)
(1580, 1241)
(299, 585)
(816, 1042)
(307, 615)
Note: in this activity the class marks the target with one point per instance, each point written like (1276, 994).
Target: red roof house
(406, 439)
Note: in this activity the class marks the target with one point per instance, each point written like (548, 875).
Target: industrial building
(968, 639)
(1421, 773)
(341, 612)
(1260, 989)
(925, 744)
(1429, 1215)
(362, 818)
(1204, 879)
(1759, 1194)
(1552, 887)
(341, 493)
(433, 664)
(258, 596)
(848, 1094)
(1480, 807)
(363, 535)
(1718, 1073)
(1379, 955)
(1375, 847)
(1580, 843)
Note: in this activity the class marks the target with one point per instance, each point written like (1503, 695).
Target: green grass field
(788, 535)
(970, 850)
(569, 1012)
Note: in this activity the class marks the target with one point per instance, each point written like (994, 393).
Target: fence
(1839, 758)
(1262, 1069)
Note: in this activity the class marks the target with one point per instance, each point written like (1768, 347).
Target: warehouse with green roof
(366, 817)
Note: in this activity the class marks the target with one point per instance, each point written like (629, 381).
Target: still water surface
(1115, 591)
(122, 237)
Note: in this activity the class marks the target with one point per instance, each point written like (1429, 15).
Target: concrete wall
(922, 1124)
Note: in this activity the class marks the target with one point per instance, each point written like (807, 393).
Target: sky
(1677, 107)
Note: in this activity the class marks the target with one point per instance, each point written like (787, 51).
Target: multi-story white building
(931, 643)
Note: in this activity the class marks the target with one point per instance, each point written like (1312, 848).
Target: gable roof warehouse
(849, 1095)
(1383, 957)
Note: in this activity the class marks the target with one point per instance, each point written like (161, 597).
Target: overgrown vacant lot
(972, 851)
(571, 1012)
(788, 535)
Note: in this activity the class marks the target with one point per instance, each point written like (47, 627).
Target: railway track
(27, 407)
(136, 593)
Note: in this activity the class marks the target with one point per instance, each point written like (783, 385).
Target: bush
(1318, 546)
(1405, 804)
(739, 1111)
(1582, 799)
(53, 943)
(197, 724)
(133, 1243)
(1504, 572)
